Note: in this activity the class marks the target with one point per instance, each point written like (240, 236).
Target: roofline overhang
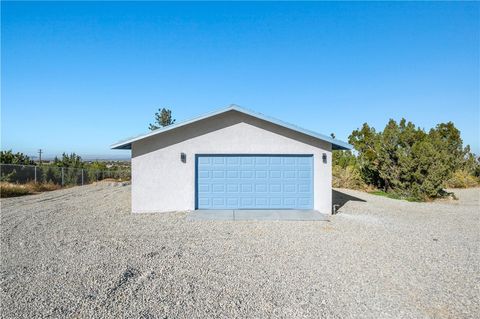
(336, 144)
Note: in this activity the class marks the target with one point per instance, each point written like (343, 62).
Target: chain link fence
(64, 176)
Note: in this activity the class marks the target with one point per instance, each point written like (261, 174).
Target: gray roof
(336, 144)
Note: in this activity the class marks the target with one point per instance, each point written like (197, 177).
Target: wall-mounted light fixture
(324, 157)
(183, 157)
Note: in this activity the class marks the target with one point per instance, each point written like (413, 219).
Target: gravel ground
(80, 253)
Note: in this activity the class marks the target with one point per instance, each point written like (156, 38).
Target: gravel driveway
(80, 253)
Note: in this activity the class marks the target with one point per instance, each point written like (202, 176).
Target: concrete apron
(257, 214)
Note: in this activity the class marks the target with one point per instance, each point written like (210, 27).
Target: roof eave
(127, 146)
(336, 144)
(343, 147)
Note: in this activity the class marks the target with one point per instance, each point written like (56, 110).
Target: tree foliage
(96, 170)
(407, 160)
(69, 169)
(69, 160)
(8, 157)
(344, 159)
(162, 118)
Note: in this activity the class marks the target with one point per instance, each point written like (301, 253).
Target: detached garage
(231, 159)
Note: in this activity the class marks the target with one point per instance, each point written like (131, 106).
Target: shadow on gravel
(339, 199)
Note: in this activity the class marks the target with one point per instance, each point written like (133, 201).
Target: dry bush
(462, 179)
(12, 190)
(42, 187)
(348, 177)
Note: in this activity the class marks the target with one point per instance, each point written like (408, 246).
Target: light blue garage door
(254, 182)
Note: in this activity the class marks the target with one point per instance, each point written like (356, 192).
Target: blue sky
(77, 77)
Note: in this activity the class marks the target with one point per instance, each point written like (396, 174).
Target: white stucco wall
(162, 182)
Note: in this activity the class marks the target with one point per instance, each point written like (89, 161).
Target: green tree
(96, 171)
(446, 139)
(406, 160)
(366, 141)
(162, 118)
(8, 157)
(11, 173)
(51, 174)
(343, 158)
(345, 170)
(71, 165)
(425, 178)
(471, 165)
(69, 160)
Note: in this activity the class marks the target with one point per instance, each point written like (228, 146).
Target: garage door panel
(204, 160)
(203, 174)
(247, 160)
(261, 160)
(218, 174)
(203, 188)
(247, 173)
(275, 161)
(304, 188)
(233, 160)
(289, 188)
(275, 174)
(304, 174)
(254, 182)
(303, 201)
(232, 174)
(246, 188)
(219, 160)
(232, 202)
(276, 202)
(275, 188)
(261, 188)
(218, 188)
(290, 174)
(261, 174)
(290, 202)
(261, 201)
(247, 202)
(218, 202)
(303, 161)
(204, 202)
(232, 188)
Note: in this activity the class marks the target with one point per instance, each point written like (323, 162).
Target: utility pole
(40, 156)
